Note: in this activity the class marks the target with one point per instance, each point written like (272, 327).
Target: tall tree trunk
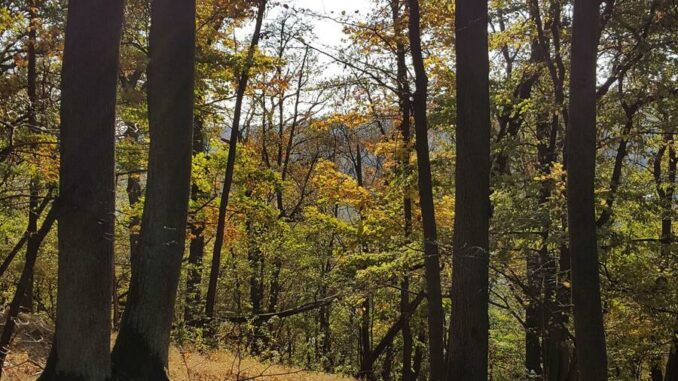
(431, 255)
(87, 192)
(469, 323)
(581, 158)
(404, 94)
(536, 313)
(33, 244)
(141, 349)
(134, 193)
(665, 187)
(364, 335)
(197, 245)
(27, 303)
(230, 164)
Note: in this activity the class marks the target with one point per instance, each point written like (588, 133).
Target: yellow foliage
(336, 187)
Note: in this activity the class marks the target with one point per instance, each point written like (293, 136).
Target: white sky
(329, 32)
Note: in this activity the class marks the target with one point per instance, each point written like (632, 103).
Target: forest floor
(30, 348)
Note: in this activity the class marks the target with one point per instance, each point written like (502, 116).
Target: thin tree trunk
(87, 192)
(22, 286)
(665, 187)
(254, 257)
(581, 156)
(469, 323)
(431, 256)
(27, 303)
(134, 193)
(19, 245)
(142, 346)
(387, 367)
(230, 164)
(418, 355)
(404, 105)
(197, 245)
(671, 372)
(32, 245)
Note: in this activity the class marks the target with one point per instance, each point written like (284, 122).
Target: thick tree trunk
(469, 322)
(230, 164)
(581, 157)
(431, 254)
(87, 192)
(141, 349)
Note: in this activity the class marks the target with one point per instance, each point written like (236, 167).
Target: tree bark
(665, 187)
(22, 286)
(230, 164)
(141, 349)
(671, 372)
(469, 323)
(19, 245)
(255, 260)
(404, 94)
(196, 250)
(87, 192)
(581, 157)
(431, 254)
(27, 303)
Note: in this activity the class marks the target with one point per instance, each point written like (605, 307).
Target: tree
(469, 323)
(87, 192)
(581, 159)
(431, 253)
(141, 349)
(230, 164)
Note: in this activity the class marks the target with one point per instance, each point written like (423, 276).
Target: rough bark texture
(431, 256)
(469, 322)
(230, 164)
(581, 155)
(141, 349)
(87, 192)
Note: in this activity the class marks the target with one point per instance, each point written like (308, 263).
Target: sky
(329, 32)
